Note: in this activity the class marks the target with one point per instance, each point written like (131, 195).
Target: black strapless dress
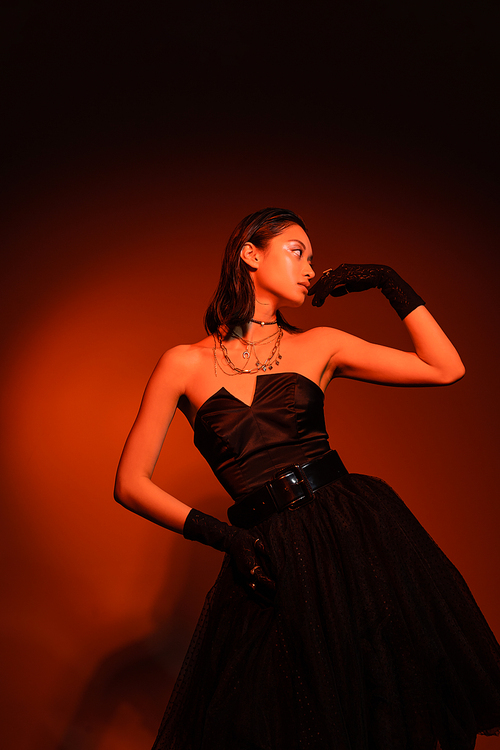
(374, 641)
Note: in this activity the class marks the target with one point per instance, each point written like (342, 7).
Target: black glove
(356, 278)
(239, 544)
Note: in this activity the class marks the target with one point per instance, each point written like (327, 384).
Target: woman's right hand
(247, 552)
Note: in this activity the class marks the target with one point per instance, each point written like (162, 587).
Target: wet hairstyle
(233, 303)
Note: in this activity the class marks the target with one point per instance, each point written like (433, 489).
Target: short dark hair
(233, 303)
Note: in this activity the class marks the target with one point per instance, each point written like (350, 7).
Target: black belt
(292, 487)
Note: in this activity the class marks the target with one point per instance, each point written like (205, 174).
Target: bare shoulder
(312, 353)
(185, 355)
(323, 336)
(178, 364)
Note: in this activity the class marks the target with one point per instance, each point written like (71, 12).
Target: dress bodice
(245, 445)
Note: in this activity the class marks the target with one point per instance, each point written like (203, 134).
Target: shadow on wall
(125, 698)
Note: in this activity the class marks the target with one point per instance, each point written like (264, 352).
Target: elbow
(127, 492)
(120, 493)
(452, 375)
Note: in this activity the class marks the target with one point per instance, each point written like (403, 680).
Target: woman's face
(283, 269)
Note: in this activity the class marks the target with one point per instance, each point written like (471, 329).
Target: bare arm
(435, 360)
(134, 488)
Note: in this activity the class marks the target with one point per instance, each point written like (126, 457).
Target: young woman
(335, 622)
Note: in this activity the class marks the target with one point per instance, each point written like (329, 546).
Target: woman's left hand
(347, 277)
(350, 277)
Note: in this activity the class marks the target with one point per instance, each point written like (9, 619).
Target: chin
(294, 302)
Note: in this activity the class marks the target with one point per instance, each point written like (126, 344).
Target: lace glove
(356, 278)
(238, 543)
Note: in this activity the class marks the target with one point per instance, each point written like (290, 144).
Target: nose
(310, 272)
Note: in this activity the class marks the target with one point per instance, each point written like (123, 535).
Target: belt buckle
(301, 480)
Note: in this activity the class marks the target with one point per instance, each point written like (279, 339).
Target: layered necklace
(260, 366)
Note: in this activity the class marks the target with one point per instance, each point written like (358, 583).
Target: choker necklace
(262, 323)
(267, 364)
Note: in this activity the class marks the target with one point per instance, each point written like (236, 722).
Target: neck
(264, 309)
(254, 331)
(263, 322)
(261, 325)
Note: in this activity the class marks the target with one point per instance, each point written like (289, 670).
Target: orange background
(110, 262)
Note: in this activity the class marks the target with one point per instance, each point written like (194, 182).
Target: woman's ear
(250, 254)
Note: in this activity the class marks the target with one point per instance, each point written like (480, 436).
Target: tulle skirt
(373, 641)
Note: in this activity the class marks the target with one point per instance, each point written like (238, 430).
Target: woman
(335, 622)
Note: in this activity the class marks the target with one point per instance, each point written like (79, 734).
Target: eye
(298, 251)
